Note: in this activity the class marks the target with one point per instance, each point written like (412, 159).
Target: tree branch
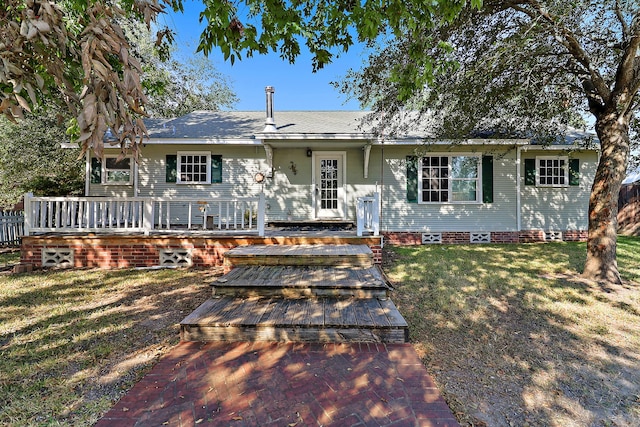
(566, 38)
(623, 23)
(628, 75)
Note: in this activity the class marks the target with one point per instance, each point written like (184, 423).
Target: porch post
(359, 217)
(376, 214)
(147, 216)
(261, 214)
(136, 190)
(28, 212)
(87, 172)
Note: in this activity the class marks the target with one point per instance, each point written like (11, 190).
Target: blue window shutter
(171, 165)
(529, 171)
(574, 172)
(96, 171)
(216, 169)
(487, 179)
(412, 179)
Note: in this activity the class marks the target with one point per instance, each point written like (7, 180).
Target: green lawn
(73, 342)
(514, 337)
(510, 333)
(8, 258)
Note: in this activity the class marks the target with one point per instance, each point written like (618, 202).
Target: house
(236, 172)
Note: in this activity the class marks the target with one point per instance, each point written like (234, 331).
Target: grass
(73, 342)
(513, 336)
(8, 258)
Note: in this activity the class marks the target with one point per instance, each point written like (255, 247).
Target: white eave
(557, 147)
(202, 141)
(429, 141)
(316, 136)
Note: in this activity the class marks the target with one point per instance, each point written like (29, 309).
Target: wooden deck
(302, 320)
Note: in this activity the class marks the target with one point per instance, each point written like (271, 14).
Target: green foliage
(326, 27)
(31, 159)
(504, 67)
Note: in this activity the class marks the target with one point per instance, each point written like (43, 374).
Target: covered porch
(112, 232)
(175, 215)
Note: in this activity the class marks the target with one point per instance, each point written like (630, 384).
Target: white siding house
(314, 166)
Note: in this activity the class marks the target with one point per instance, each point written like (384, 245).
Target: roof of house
(250, 124)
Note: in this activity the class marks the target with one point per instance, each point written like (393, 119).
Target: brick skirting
(144, 251)
(462, 237)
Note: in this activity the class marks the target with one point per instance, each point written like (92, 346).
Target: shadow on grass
(71, 342)
(514, 337)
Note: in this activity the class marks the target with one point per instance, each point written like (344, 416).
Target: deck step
(300, 255)
(328, 319)
(305, 281)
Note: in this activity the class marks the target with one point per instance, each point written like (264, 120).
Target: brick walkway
(278, 384)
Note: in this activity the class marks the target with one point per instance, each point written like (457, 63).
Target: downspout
(518, 195)
(87, 171)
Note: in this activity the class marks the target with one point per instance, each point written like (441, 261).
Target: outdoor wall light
(309, 152)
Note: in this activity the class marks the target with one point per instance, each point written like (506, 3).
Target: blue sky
(297, 87)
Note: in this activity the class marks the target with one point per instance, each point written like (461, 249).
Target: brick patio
(284, 384)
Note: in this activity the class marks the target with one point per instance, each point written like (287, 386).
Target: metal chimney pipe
(270, 123)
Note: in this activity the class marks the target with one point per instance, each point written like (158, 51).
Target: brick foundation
(461, 237)
(144, 251)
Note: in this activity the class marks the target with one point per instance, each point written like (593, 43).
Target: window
(194, 167)
(445, 179)
(552, 171)
(117, 171)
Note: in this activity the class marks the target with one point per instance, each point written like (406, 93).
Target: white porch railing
(368, 215)
(142, 214)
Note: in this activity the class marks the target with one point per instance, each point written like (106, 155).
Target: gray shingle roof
(249, 124)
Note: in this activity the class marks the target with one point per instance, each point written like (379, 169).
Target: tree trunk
(613, 132)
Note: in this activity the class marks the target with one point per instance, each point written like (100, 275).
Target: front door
(329, 185)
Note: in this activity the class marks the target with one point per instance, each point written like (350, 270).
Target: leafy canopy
(515, 67)
(76, 53)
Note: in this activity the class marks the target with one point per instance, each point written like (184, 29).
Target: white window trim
(450, 202)
(104, 174)
(566, 171)
(193, 153)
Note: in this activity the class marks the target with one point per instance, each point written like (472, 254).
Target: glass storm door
(329, 186)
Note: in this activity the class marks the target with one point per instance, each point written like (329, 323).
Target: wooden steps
(328, 319)
(301, 255)
(300, 293)
(305, 281)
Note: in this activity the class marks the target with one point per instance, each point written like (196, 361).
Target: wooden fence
(11, 228)
(629, 210)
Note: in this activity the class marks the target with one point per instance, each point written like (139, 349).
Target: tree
(525, 66)
(76, 53)
(31, 159)
(174, 85)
